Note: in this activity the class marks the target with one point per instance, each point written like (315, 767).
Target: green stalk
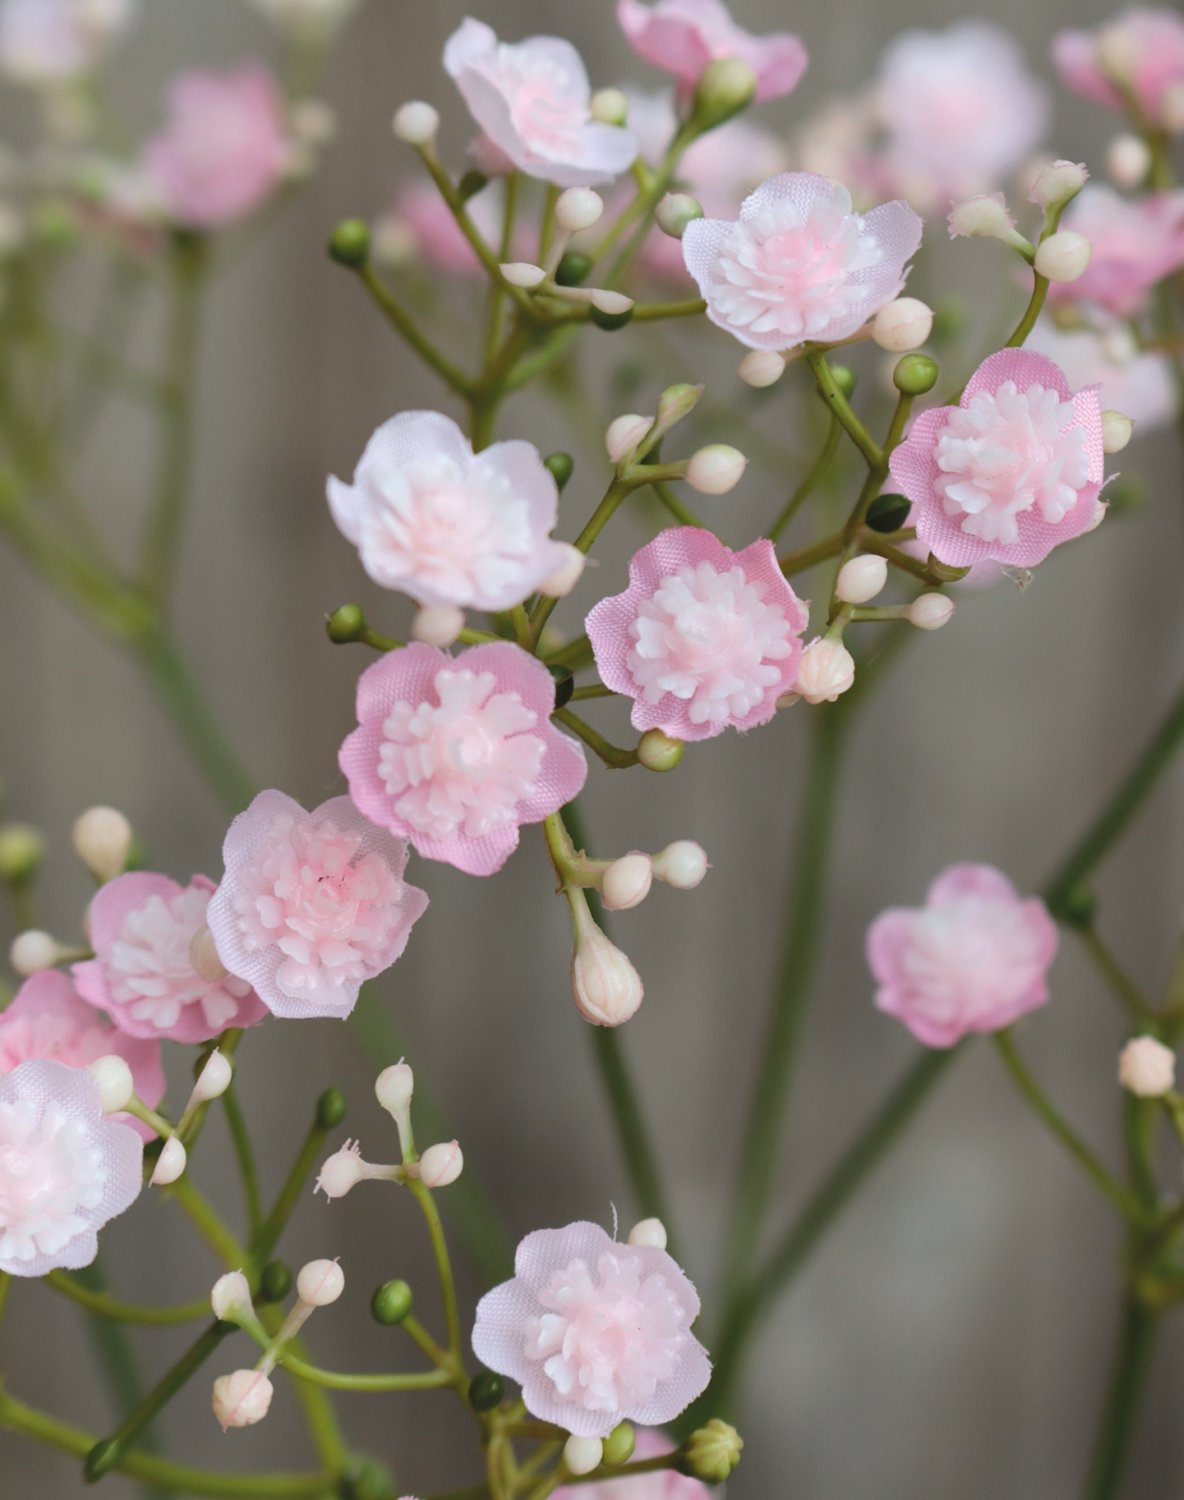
(1132, 1364)
(100, 1305)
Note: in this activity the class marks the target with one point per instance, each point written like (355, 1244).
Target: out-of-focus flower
(1140, 384)
(683, 36)
(1012, 472)
(1136, 243)
(800, 264)
(1140, 52)
(311, 20)
(704, 639)
(312, 904)
(52, 41)
(594, 1332)
(65, 1168)
(456, 753)
(975, 957)
(663, 1484)
(142, 927)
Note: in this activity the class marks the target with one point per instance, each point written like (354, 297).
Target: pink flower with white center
(312, 904)
(1142, 46)
(594, 1332)
(533, 101)
(1141, 385)
(662, 1484)
(800, 265)
(975, 957)
(65, 1168)
(683, 36)
(447, 526)
(457, 752)
(960, 110)
(48, 1019)
(142, 928)
(1010, 473)
(51, 41)
(1136, 243)
(704, 639)
(224, 149)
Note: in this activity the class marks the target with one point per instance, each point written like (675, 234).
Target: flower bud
(560, 583)
(394, 1088)
(716, 469)
(649, 1232)
(391, 1303)
(231, 1298)
(561, 467)
(614, 304)
(1147, 1068)
(675, 212)
(609, 106)
(861, 579)
(625, 434)
(213, 1080)
(341, 1171)
(349, 244)
(21, 851)
(1128, 160)
(102, 839)
(203, 955)
(170, 1164)
(761, 368)
(416, 123)
(578, 208)
(242, 1398)
(33, 951)
(915, 375)
(1058, 183)
(682, 864)
(626, 882)
(606, 986)
(441, 1165)
(319, 1283)
(487, 1390)
(346, 624)
(438, 624)
(619, 1445)
(987, 215)
(712, 1452)
(582, 1454)
(657, 751)
(675, 403)
(930, 611)
(1117, 431)
(1063, 256)
(902, 325)
(115, 1082)
(827, 670)
(726, 86)
(523, 273)
(1117, 52)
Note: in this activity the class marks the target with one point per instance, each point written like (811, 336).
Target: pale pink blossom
(1011, 472)
(455, 753)
(594, 1332)
(683, 36)
(65, 1168)
(1136, 243)
(974, 958)
(48, 1019)
(142, 928)
(312, 904)
(704, 639)
(532, 100)
(447, 526)
(50, 41)
(224, 149)
(800, 265)
(662, 1484)
(1140, 385)
(1144, 47)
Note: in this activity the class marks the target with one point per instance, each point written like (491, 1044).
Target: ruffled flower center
(460, 765)
(51, 1173)
(1009, 452)
(710, 639)
(538, 93)
(966, 958)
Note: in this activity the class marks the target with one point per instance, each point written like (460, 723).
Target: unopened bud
(625, 434)
(985, 215)
(349, 244)
(242, 1398)
(626, 882)
(1063, 256)
(33, 951)
(213, 1080)
(915, 374)
(761, 368)
(203, 955)
(394, 1087)
(619, 1445)
(345, 624)
(441, 1165)
(1147, 1068)
(438, 624)
(341, 1171)
(609, 106)
(102, 839)
(606, 986)
(578, 208)
(613, 304)
(675, 212)
(861, 579)
(416, 123)
(582, 1454)
(675, 403)
(523, 273)
(170, 1164)
(391, 1303)
(649, 1232)
(319, 1283)
(231, 1298)
(21, 851)
(115, 1082)
(682, 864)
(1128, 160)
(1118, 53)
(1058, 183)
(826, 671)
(658, 751)
(712, 1452)
(559, 584)
(930, 611)
(902, 325)
(1117, 431)
(725, 87)
(716, 469)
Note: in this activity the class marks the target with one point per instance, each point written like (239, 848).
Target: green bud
(137, 856)
(330, 1109)
(391, 1303)
(659, 752)
(675, 403)
(367, 1479)
(725, 87)
(573, 268)
(486, 1390)
(675, 212)
(1076, 907)
(845, 378)
(471, 184)
(345, 624)
(561, 466)
(712, 1452)
(21, 851)
(276, 1281)
(565, 685)
(888, 512)
(915, 374)
(618, 1446)
(349, 244)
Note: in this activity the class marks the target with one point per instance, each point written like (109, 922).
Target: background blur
(953, 1334)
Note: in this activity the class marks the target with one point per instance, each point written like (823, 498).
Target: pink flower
(446, 526)
(703, 639)
(533, 101)
(1143, 47)
(1010, 473)
(800, 265)
(224, 149)
(1136, 243)
(48, 1019)
(48, 41)
(65, 1168)
(975, 957)
(594, 1332)
(663, 1484)
(456, 753)
(142, 927)
(960, 109)
(683, 36)
(1142, 386)
(312, 904)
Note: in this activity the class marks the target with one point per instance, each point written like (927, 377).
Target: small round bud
(986, 214)
(416, 123)
(214, 1078)
(33, 951)
(902, 325)
(1063, 256)
(682, 864)
(761, 368)
(1058, 183)
(725, 87)
(102, 839)
(438, 625)
(712, 1452)
(573, 269)
(242, 1398)
(341, 1172)
(606, 987)
(915, 375)
(319, 1283)
(578, 208)
(231, 1297)
(486, 1390)
(345, 624)
(609, 106)
(1117, 53)
(523, 273)
(21, 851)
(619, 1445)
(826, 671)
(624, 435)
(349, 244)
(657, 751)
(612, 304)
(1128, 160)
(394, 1088)
(1147, 1068)
(677, 402)
(561, 466)
(675, 212)
(1117, 431)
(330, 1109)
(626, 882)
(649, 1232)
(582, 1454)
(931, 611)
(170, 1164)
(716, 469)
(391, 1303)
(845, 380)
(441, 1165)
(115, 1082)
(565, 684)
(203, 955)
(559, 584)
(276, 1281)
(888, 513)
(861, 579)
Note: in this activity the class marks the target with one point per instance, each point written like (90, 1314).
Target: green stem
(245, 1156)
(841, 409)
(612, 755)
(206, 1221)
(100, 1305)
(652, 312)
(1122, 985)
(681, 513)
(611, 502)
(1136, 1344)
(809, 557)
(806, 488)
(407, 329)
(421, 1380)
(424, 1198)
(294, 1184)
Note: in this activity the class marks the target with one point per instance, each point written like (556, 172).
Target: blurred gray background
(951, 1337)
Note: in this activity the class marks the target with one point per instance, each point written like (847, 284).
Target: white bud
(612, 303)
(523, 273)
(1171, 108)
(115, 1082)
(441, 1164)
(341, 1171)
(1128, 160)
(904, 324)
(319, 1283)
(203, 955)
(230, 1297)
(930, 611)
(416, 123)
(1058, 183)
(682, 864)
(559, 584)
(606, 986)
(609, 106)
(1147, 1068)
(577, 209)
(626, 882)
(1117, 431)
(985, 214)
(716, 469)
(213, 1080)
(1117, 52)
(861, 579)
(394, 1087)
(102, 839)
(438, 624)
(1063, 256)
(675, 212)
(33, 951)
(761, 367)
(649, 1232)
(170, 1164)
(582, 1454)
(242, 1398)
(827, 670)
(624, 434)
